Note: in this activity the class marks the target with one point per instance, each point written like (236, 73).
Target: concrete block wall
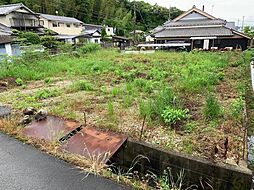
(197, 171)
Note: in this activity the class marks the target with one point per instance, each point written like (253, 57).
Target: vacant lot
(191, 102)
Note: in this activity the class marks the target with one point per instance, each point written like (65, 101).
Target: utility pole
(243, 24)
(135, 19)
(169, 13)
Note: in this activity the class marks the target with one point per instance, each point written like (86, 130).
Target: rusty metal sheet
(50, 129)
(94, 144)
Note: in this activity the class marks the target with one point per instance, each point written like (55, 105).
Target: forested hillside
(117, 13)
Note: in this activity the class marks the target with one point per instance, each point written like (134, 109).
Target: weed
(190, 127)
(90, 47)
(47, 93)
(111, 111)
(80, 85)
(48, 80)
(172, 116)
(237, 108)
(19, 82)
(212, 109)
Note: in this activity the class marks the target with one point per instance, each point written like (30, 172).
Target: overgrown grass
(124, 89)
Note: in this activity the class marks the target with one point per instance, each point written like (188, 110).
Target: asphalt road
(22, 167)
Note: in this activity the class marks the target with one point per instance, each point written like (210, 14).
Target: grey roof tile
(61, 18)
(195, 23)
(6, 9)
(194, 32)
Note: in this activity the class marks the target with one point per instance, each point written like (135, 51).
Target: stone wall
(197, 171)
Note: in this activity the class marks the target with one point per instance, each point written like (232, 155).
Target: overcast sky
(230, 10)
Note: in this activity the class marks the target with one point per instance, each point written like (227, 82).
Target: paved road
(23, 167)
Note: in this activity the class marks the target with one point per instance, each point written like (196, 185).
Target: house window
(60, 24)
(76, 25)
(198, 42)
(96, 41)
(218, 42)
(68, 25)
(108, 29)
(42, 22)
(54, 24)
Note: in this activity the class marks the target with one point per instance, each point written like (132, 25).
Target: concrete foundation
(201, 172)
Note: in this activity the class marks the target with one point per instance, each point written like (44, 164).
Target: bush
(49, 42)
(172, 116)
(212, 109)
(28, 38)
(90, 47)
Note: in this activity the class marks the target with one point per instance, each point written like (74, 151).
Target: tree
(103, 33)
(250, 32)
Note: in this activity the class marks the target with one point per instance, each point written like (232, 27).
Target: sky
(230, 10)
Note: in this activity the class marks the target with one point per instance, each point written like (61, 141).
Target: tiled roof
(195, 23)
(5, 29)
(194, 32)
(61, 18)
(6, 9)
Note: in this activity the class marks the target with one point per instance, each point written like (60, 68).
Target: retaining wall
(197, 171)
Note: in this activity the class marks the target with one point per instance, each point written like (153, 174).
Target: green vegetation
(212, 109)
(171, 115)
(185, 98)
(119, 14)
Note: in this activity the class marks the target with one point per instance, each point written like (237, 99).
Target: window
(54, 24)
(198, 42)
(76, 25)
(68, 25)
(96, 41)
(60, 24)
(108, 29)
(42, 22)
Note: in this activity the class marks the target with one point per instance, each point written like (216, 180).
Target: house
(20, 17)
(202, 31)
(61, 25)
(7, 45)
(92, 36)
(109, 30)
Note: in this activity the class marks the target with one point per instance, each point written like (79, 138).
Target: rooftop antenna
(203, 8)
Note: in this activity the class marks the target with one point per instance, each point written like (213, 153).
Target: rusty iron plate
(94, 144)
(50, 129)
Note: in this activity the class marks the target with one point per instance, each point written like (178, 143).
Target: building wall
(61, 27)
(109, 31)
(220, 42)
(7, 19)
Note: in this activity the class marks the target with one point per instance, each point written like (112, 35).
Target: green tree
(247, 30)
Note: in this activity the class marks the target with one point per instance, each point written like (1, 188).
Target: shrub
(90, 47)
(49, 42)
(172, 116)
(28, 38)
(212, 109)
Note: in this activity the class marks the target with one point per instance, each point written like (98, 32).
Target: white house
(93, 36)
